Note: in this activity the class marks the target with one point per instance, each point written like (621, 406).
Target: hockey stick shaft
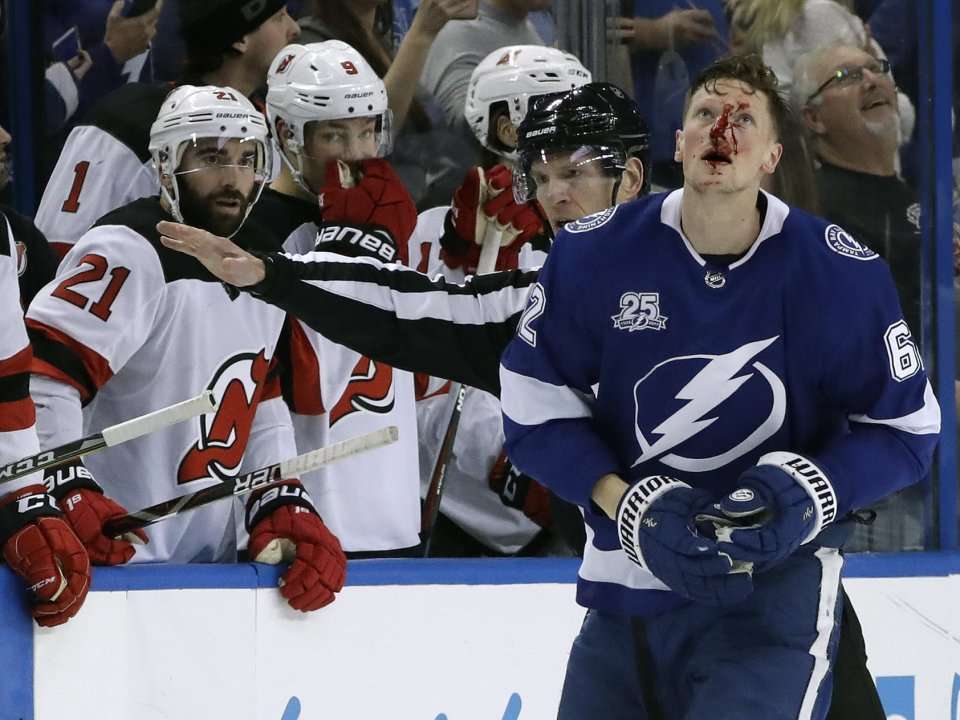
(113, 435)
(255, 480)
(431, 502)
(438, 479)
(490, 248)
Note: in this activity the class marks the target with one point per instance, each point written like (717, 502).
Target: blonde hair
(764, 20)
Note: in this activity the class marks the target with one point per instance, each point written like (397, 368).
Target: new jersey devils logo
(370, 389)
(237, 386)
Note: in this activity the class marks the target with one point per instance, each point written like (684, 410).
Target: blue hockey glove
(655, 523)
(781, 503)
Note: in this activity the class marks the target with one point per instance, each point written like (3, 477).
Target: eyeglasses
(844, 77)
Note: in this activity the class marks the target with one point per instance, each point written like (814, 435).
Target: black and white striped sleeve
(396, 315)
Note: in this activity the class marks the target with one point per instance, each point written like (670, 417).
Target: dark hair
(794, 180)
(339, 19)
(750, 70)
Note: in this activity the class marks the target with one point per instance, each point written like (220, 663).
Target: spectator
(460, 47)
(671, 41)
(848, 103)
(783, 30)
(114, 48)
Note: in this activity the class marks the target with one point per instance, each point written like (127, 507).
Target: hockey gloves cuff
(40, 547)
(655, 523)
(781, 503)
(285, 527)
(87, 510)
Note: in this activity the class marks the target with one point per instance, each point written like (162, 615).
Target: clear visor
(571, 168)
(245, 156)
(349, 139)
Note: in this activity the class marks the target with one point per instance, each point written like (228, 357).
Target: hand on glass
(222, 257)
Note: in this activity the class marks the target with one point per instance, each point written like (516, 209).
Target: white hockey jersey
(104, 165)
(129, 326)
(18, 435)
(371, 501)
(467, 498)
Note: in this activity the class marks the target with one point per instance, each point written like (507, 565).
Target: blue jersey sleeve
(872, 370)
(547, 376)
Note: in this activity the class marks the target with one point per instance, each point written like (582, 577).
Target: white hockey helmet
(191, 113)
(512, 75)
(323, 81)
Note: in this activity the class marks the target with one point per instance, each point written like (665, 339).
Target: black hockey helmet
(599, 117)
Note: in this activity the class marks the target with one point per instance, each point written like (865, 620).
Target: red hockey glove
(87, 510)
(379, 201)
(284, 526)
(485, 198)
(42, 549)
(520, 491)
(521, 222)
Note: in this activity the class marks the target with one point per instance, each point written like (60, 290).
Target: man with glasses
(848, 103)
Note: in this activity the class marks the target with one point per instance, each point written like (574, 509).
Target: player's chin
(226, 219)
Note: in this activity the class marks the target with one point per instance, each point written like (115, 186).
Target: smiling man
(848, 102)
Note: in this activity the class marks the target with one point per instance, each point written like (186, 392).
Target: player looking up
(713, 356)
(127, 327)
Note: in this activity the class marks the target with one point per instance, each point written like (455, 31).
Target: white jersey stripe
(463, 309)
(831, 562)
(528, 401)
(613, 566)
(925, 421)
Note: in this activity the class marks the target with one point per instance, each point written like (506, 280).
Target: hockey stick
(108, 437)
(255, 480)
(431, 501)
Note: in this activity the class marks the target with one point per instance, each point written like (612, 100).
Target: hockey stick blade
(255, 480)
(113, 435)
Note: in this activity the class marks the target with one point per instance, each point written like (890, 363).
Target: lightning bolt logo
(710, 387)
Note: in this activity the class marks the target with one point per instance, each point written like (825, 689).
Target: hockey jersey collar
(776, 215)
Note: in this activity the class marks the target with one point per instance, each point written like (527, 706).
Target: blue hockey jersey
(637, 356)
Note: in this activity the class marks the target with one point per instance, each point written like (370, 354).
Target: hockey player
(460, 331)
(105, 162)
(717, 381)
(37, 543)
(447, 242)
(127, 327)
(332, 128)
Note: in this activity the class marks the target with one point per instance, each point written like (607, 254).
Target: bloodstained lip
(716, 156)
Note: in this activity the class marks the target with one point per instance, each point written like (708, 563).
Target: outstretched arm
(385, 311)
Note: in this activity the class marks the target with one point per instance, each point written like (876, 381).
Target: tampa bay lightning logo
(840, 241)
(591, 222)
(734, 386)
